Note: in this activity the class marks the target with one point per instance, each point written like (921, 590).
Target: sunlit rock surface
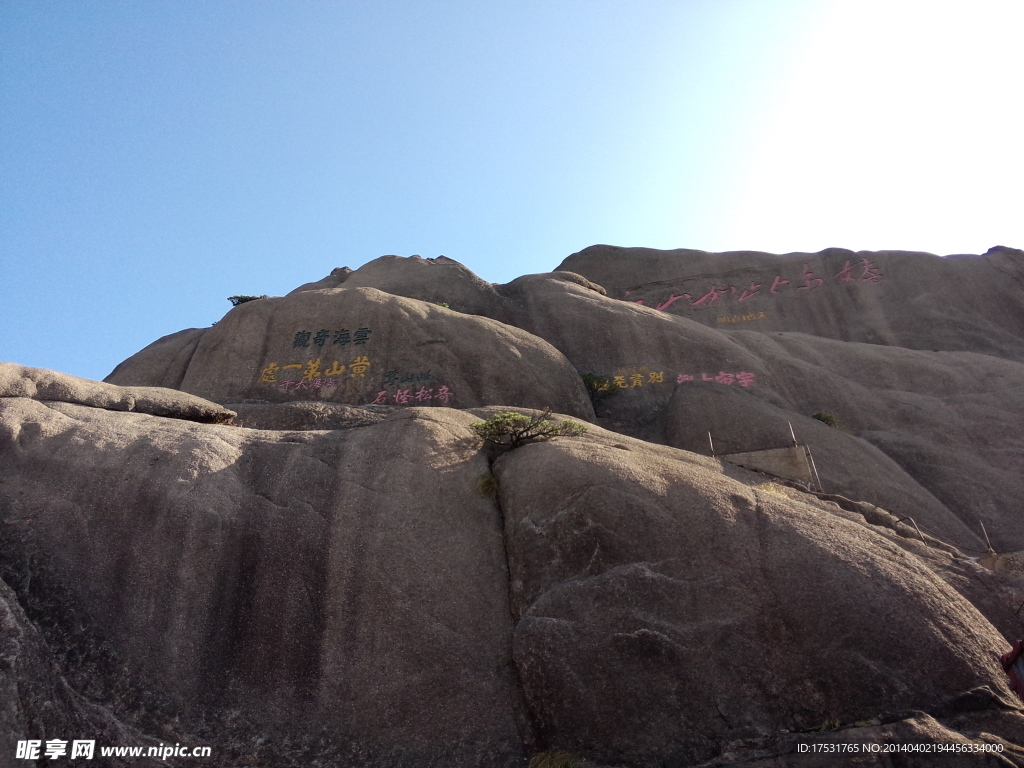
(302, 554)
(920, 359)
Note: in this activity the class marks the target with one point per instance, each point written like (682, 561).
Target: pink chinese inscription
(853, 271)
(412, 396)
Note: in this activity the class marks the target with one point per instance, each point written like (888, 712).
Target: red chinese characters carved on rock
(853, 271)
(412, 396)
(714, 295)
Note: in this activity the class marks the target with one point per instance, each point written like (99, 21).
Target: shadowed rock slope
(352, 597)
(918, 359)
(302, 554)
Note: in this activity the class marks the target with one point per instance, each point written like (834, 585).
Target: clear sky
(158, 156)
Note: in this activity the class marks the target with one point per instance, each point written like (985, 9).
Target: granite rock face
(344, 580)
(35, 698)
(164, 362)
(919, 359)
(358, 597)
(280, 536)
(358, 346)
(663, 611)
(897, 298)
(933, 435)
(20, 381)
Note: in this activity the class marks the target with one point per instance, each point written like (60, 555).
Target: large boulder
(440, 281)
(357, 581)
(664, 610)
(342, 582)
(931, 411)
(911, 421)
(338, 276)
(161, 364)
(362, 597)
(898, 298)
(359, 346)
(45, 385)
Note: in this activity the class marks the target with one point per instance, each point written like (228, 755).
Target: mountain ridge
(345, 575)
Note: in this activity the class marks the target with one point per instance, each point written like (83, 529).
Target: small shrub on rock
(241, 299)
(826, 418)
(487, 485)
(511, 430)
(600, 388)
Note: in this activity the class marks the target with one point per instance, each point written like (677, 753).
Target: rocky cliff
(281, 537)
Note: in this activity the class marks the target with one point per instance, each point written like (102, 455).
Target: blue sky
(157, 157)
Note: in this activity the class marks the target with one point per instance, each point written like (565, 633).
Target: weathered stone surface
(664, 610)
(438, 281)
(358, 583)
(162, 364)
(338, 276)
(445, 281)
(42, 384)
(303, 415)
(906, 415)
(354, 598)
(898, 298)
(36, 701)
(347, 580)
(934, 436)
(394, 350)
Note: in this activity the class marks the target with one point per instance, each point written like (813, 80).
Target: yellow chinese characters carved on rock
(270, 374)
(312, 372)
(360, 366)
(741, 318)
